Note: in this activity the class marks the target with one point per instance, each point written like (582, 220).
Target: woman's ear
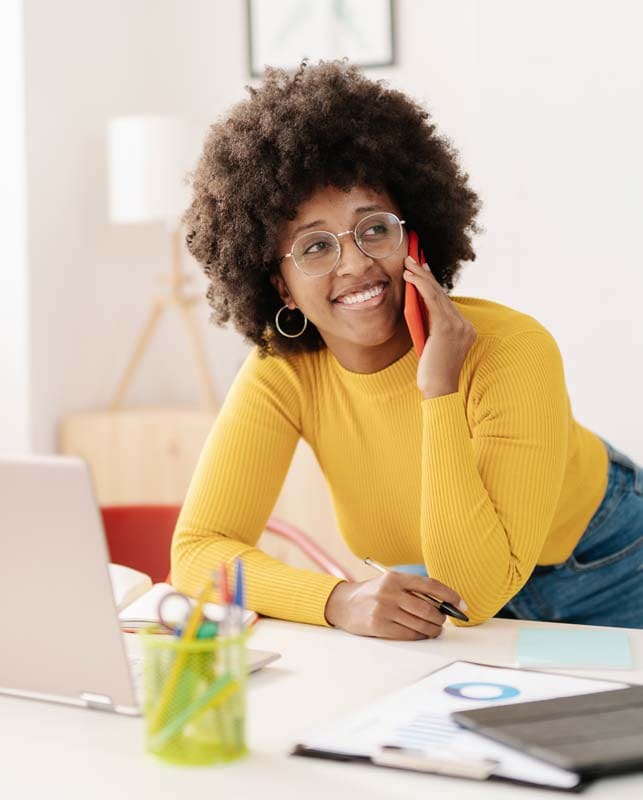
(280, 285)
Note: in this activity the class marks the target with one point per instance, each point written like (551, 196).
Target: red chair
(140, 537)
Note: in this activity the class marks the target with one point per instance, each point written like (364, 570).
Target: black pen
(441, 605)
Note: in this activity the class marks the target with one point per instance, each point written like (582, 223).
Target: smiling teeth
(361, 297)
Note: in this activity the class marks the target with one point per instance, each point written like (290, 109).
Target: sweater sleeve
(234, 488)
(491, 484)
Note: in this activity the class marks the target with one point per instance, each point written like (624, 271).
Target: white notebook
(137, 600)
(127, 584)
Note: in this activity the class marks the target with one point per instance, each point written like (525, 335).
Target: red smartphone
(416, 313)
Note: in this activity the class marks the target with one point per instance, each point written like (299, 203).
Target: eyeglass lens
(377, 235)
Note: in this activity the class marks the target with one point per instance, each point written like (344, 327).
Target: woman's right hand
(384, 606)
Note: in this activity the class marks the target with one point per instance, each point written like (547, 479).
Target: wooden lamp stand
(175, 296)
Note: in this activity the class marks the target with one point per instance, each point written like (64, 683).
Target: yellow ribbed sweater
(479, 485)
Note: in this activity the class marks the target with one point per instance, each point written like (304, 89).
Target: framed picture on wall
(281, 33)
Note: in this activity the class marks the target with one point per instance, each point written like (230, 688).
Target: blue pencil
(239, 595)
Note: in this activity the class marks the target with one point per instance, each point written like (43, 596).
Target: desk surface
(51, 751)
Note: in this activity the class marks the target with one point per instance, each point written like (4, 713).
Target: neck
(370, 358)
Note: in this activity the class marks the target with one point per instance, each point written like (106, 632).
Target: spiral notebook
(412, 728)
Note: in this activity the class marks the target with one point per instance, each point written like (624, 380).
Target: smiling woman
(466, 460)
(350, 288)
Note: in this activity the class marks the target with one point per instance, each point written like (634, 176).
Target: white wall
(543, 99)
(555, 149)
(92, 281)
(15, 429)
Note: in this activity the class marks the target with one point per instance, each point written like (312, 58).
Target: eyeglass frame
(336, 236)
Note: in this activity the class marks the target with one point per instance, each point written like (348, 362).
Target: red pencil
(224, 587)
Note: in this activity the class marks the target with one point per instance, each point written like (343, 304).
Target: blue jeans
(601, 583)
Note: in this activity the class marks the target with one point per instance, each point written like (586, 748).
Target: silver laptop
(60, 637)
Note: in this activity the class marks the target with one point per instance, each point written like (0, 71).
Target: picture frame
(281, 33)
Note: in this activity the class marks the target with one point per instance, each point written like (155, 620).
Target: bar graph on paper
(426, 730)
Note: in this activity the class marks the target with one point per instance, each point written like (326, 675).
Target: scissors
(168, 615)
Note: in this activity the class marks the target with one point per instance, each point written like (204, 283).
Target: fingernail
(462, 605)
(411, 259)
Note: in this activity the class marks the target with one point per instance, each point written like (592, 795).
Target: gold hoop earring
(290, 335)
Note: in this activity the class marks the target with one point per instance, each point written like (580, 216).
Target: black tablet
(591, 734)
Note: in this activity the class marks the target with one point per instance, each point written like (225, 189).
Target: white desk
(51, 751)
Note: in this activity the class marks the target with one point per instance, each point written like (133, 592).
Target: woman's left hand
(450, 334)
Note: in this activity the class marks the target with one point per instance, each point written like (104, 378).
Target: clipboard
(378, 734)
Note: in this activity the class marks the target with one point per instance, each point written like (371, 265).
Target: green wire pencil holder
(194, 697)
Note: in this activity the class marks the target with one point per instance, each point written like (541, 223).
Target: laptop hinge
(103, 702)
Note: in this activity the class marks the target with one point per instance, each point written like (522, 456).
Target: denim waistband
(618, 457)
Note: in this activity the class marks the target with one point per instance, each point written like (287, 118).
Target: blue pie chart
(479, 690)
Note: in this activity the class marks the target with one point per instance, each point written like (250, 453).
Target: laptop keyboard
(136, 668)
(133, 648)
(134, 651)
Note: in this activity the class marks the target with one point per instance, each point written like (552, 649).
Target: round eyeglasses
(317, 253)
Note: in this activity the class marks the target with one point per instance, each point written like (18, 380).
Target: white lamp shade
(148, 161)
